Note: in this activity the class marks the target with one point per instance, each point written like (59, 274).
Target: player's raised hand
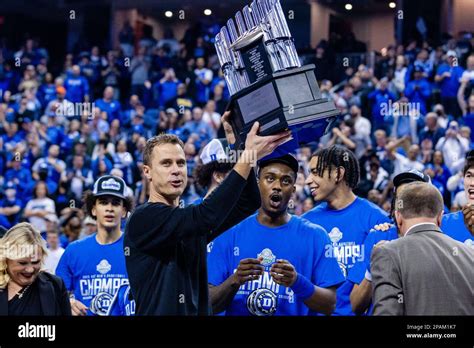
(283, 273)
(248, 269)
(78, 308)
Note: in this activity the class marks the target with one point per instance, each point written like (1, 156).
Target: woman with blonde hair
(24, 288)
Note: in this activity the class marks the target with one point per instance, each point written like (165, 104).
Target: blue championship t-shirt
(93, 272)
(302, 243)
(347, 229)
(453, 225)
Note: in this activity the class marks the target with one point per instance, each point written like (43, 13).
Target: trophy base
(288, 99)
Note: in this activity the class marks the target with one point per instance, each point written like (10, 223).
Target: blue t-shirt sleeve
(377, 216)
(326, 270)
(218, 259)
(356, 273)
(63, 270)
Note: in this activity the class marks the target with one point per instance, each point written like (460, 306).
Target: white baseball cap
(451, 53)
(214, 152)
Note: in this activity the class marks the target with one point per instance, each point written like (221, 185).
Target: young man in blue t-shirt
(273, 263)
(93, 268)
(359, 275)
(460, 225)
(334, 173)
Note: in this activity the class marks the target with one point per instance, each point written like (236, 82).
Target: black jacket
(165, 247)
(53, 296)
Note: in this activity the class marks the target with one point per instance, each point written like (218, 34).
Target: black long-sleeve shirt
(165, 247)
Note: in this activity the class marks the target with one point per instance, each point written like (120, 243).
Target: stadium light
(169, 14)
(348, 7)
(392, 4)
(207, 12)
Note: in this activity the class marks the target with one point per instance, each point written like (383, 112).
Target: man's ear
(147, 172)
(124, 213)
(218, 177)
(439, 218)
(94, 212)
(398, 218)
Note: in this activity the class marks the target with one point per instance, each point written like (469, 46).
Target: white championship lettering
(91, 287)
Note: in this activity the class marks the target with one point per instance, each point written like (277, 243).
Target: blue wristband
(302, 287)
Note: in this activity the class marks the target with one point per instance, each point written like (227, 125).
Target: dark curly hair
(338, 156)
(89, 201)
(203, 173)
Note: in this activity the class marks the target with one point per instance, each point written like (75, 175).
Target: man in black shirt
(165, 245)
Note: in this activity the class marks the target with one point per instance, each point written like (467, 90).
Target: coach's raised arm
(165, 244)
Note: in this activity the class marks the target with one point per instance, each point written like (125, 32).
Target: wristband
(231, 146)
(302, 287)
(368, 276)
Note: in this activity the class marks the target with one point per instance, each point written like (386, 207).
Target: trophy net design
(265, 78)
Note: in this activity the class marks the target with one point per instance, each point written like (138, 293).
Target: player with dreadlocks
(334, 173)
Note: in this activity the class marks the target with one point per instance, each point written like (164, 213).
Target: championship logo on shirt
(335, 235)
(103, 267)
(100, 303)
(268, 257)
(262, 302)
(346, 253)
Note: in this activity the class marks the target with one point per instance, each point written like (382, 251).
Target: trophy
(266, 80)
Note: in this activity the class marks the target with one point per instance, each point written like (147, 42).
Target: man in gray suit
(425, 272)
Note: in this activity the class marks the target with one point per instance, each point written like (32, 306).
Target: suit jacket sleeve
(386, 282)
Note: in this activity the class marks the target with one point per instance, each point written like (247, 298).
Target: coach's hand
(262, 146)
(283, 273)
(78, 308)
(468, 213)
(248, 269)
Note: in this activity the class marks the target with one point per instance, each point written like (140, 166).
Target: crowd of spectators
(59, 132)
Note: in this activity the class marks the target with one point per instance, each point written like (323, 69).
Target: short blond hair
(19, 242)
